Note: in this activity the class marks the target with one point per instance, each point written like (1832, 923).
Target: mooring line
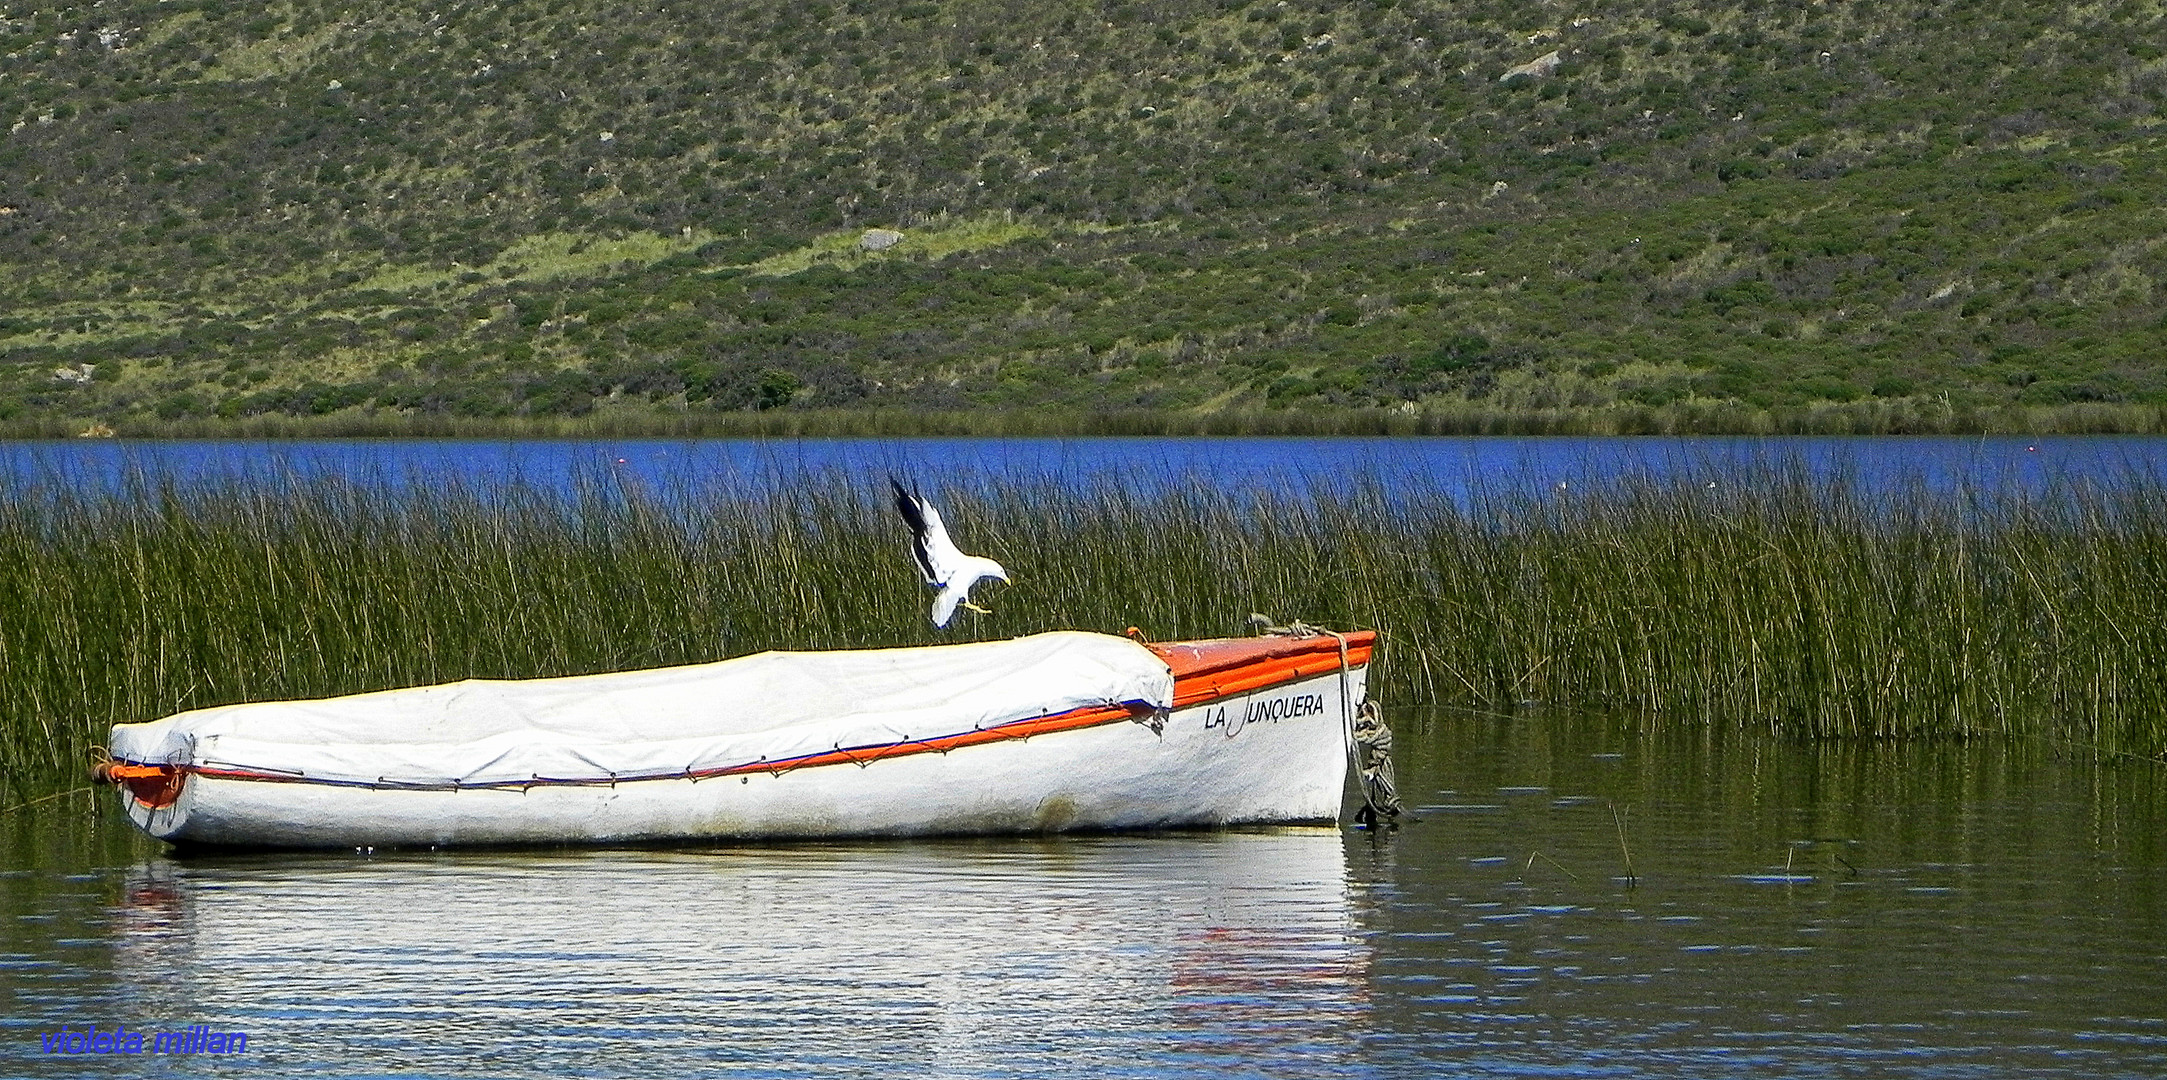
(2154, 759)
(47, 798)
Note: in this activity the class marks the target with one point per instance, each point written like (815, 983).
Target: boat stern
(157, 798)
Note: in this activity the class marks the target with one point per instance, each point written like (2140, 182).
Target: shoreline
(1860, 419)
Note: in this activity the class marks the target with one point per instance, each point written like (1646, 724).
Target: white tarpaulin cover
(771, 706)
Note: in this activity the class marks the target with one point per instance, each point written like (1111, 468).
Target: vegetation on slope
(570, 208)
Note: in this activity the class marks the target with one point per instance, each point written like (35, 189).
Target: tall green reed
(1817, 607)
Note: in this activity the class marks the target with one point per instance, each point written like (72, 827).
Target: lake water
(1451, 465)
(1792, 910)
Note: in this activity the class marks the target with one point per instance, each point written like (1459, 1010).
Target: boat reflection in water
(1044, 955)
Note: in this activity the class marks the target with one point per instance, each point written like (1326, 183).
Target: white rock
(1542, 65)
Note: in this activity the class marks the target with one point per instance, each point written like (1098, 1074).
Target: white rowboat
(1048, 733)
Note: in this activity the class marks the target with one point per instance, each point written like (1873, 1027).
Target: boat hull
(1276, 754)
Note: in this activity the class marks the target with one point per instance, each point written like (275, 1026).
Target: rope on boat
(1373, 757)
(1346, 714)
(1369, 740)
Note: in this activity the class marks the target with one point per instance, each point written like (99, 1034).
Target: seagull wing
(936, 555)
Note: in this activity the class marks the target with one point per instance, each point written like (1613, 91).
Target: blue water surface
(1455, 466)
(1578, 897)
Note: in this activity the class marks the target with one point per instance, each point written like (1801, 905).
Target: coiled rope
(1368, 739)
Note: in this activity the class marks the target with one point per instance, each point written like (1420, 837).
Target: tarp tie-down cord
(1075, 719)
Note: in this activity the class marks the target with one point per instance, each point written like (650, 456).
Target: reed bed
(1815, 607)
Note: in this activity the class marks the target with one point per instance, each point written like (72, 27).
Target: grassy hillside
(1908, 211)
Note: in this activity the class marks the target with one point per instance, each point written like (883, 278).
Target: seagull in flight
(944, 567)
